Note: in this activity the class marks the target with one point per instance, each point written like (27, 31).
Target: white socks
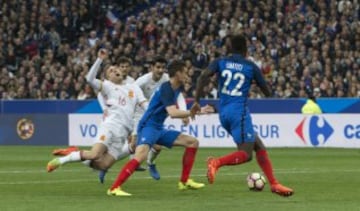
(152, 156)
(87, 163)
(72, 157)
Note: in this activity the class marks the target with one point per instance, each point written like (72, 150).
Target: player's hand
(102, 54)
(185, 121)
(208, 109)
(195, 108)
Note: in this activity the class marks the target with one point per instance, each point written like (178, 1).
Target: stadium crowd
(302, 46)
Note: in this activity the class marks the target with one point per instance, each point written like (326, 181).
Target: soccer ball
(256, 181)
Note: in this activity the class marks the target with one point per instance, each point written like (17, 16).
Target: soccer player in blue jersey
(235, 75)
(151, 131)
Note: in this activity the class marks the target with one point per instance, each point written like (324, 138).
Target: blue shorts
(161, 136)
(239, 126)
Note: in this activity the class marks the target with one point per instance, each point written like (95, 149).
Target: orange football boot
(64, 152)
(281, 190)
(212, 165)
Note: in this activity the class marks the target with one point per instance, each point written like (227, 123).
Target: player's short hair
(158, 59)
(238, 44)
(106, 69)
(123, 60)
(175, 66)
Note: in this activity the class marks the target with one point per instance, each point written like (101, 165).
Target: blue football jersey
(156, 113)
(235, 75)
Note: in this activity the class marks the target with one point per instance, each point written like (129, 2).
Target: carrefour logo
(314, 129)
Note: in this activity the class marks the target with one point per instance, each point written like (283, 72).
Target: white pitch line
(279, 171)
(57, 181)
(35, 171)
(89, 170)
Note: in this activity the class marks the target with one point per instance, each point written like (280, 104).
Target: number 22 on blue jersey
(233, 82)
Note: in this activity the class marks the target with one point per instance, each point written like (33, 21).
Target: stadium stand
(302, 46)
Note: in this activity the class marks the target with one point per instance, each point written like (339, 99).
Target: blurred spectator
(86, 93)
(188, 90)
(93, 39)
(199, 59)
(46, 47)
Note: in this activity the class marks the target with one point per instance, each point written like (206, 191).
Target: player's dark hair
(175, 66)
(158, 59)
(238, 44)
(123, 60)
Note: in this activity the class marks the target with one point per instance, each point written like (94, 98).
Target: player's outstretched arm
(177, 113)
(91, 75)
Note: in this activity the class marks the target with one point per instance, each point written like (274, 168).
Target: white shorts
(115, 139)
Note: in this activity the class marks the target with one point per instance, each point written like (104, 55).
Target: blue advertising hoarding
(271, 105)
(47, 122)
(33, 129)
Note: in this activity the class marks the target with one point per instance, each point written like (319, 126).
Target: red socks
(239, 157)
(234, 158)
(188, 161)
(265, 164)
(125, 173)
(129, 168)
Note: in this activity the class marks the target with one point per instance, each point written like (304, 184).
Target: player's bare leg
(103, 164)
(132, 143)
(152, 155)
(128, 169)
(108, 160)
(95, 153)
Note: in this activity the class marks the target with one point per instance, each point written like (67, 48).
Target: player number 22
(229, 76)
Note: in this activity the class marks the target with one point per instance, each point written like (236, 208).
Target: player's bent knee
(141, 152)
(157, 148)
(193, 142)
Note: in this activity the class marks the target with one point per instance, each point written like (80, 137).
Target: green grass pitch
(323, 179)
